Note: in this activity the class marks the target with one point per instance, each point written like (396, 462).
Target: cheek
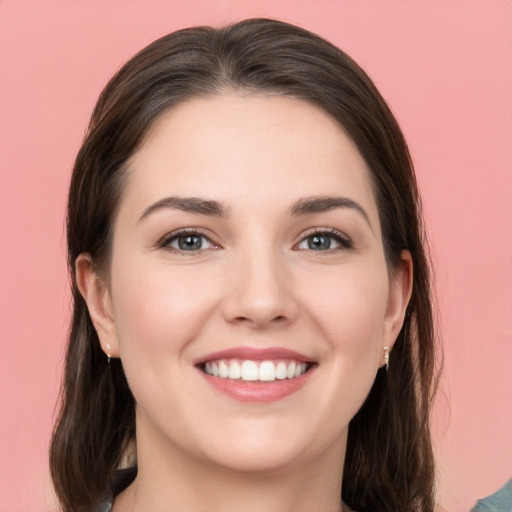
(349, 310)
(157, 309)
(159, 313)
(350, 305)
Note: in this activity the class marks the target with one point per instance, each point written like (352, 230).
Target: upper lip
(255, 354)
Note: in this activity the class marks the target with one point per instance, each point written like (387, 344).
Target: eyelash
(343, 240)
(165, 242)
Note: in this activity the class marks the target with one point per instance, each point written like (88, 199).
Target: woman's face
(249, 298)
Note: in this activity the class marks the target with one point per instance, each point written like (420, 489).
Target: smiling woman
(243, 230)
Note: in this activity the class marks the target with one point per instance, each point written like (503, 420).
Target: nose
(259, 291)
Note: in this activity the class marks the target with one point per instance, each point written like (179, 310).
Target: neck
(179, 482)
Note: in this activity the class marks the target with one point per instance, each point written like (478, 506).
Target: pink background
(446, 70)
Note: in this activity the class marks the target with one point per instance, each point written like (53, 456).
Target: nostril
(259, 308)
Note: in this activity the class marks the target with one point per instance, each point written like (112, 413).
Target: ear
(97, 295)
(400, 289)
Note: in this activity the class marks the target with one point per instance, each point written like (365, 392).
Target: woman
(243, 231)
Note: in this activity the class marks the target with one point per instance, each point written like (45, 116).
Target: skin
(256, 282)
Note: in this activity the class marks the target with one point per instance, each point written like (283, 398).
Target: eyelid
(344, 240)
(168, 237)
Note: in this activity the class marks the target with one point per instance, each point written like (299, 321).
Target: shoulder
(501, 500)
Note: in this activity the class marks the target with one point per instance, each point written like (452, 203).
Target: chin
(263, 448)
(264, 461)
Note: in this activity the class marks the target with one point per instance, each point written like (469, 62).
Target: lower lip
(255, 391)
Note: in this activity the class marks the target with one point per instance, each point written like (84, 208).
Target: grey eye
(324, 241)
(190, 242)
(319, 242)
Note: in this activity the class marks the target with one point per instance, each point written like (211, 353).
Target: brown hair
(389, 462)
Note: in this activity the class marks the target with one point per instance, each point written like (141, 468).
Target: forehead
(248, 149)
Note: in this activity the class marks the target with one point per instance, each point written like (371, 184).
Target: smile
(250, 371)
(250, 374)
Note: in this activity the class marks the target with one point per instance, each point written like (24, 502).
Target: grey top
(500, 501)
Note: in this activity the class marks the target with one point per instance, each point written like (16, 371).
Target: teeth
(235, 372)
(267, 371)
(223, 369)
(290, 373)
(281, 371)
(264, 371)
(249, 370)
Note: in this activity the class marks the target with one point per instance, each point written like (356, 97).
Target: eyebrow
(318, 204)
(188, 204)
(304, 206)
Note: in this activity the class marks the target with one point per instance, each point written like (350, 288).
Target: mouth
(256, 375)
(251, 371)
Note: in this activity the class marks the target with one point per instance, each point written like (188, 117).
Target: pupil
(190, 242)
(319, 242)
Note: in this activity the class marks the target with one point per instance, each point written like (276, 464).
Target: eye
(187, 241)
(324, 240)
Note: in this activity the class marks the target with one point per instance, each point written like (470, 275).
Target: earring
(386, 357)
(108, 353)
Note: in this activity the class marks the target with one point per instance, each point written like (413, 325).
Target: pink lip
(254, 354)
(256, 391)
(262, 392)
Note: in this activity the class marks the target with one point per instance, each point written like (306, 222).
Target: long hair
(389, 463)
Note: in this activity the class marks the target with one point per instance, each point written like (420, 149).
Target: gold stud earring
(386, 357)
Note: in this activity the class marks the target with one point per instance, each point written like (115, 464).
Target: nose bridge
(260, 288)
